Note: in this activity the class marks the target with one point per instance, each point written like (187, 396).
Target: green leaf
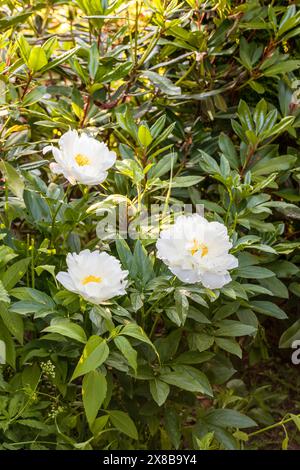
(181, 305)
(245, 116)
(124, 253)
(24, 47)
(184, 181)
(173, 426)
(285, 443)
(8, 347)
(9, 21)
(159, 391)
(123, 423)
(35, 95)
(93, 60)
(32, 301)
(60, 59)
(37, 59)
(127, 350)
(31, 376)
(289, 20)
(94, 354)
(254, 272)
(228, 149)
(119, 72)
(280, 127)
(188, 378)
(290, 335)
(50, 46)
(268, 308)
(14, 273)
(13, 322)
(144, 135)
(46, 267)
(294, 287)
(167, 346)
(163, 166)
(205, 442)
(256, 86)
(163, 83)
(39, 309)
(296, 420)
(94, 388)
(99, 424)
(37, 207)
(67, 328)
(141, 267)
(284, 268)
(259, 115)
(267, 166)
(158, 126)
(282, 67)
(230, 345)
(276, 286)
(234, 328)
(201, 341)
(229, 418)
(13, 179)
(135, 331)
(131, 169)
(4, 297)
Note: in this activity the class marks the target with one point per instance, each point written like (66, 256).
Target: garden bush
(122, 327)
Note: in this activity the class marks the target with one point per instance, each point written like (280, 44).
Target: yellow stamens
(91, 278)
(204, 250)
(198, 246)
(82, 160)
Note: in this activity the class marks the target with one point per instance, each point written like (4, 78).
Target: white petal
(68, 141)
(86, 263)
(66, 280)
(189, 276)
(71, 179)
(48, 148)
(175, 244)
(92, 180)
(109, 160)
(214, 280)
(56, 168)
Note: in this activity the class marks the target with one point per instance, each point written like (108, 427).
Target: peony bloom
(95, 276)
(196, 250)
(81, 159)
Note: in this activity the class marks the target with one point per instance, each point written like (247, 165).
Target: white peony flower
(196, 250)
(95, 276)
(81, 159)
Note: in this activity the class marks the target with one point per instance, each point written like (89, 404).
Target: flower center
(82, 160)
(90, 278)
(198, 246)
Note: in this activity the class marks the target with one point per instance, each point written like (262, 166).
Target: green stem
(229, 206)
(189, 70)
(27, 402)
(136, 30)
(32, 263)
(151, 46)
(30, 76)
(27, 255)
(32, 442)
(56, 212)
(252, 150)
(272, 426)
(157, 318)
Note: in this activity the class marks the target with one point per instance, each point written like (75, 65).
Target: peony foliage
(129, 320)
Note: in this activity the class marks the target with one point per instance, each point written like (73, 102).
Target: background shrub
(200, 101)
